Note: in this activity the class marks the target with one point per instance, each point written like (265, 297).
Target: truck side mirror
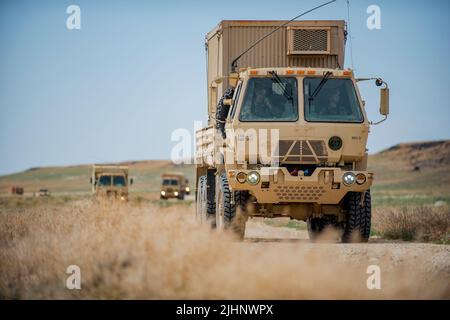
(227, 102)
(384, 101)
(131, 181)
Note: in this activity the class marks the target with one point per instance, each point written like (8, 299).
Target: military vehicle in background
(284, 78)
(110, 181)
(42, 193)
(17, 191)
(174, 185)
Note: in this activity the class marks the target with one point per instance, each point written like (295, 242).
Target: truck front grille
(302, 151)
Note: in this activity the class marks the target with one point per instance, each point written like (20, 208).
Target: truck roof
(172, 174)
(111, 169)
(296, 71)
(274, 23)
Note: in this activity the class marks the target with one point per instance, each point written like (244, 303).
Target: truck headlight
(175, 193)
(349, 178)
(163, 193)
(253, 177)
(187, 189)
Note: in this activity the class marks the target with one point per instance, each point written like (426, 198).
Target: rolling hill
(405, 173)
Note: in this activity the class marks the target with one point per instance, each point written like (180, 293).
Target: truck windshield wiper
(275, 78)
(320, 85)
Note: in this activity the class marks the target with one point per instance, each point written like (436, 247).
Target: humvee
(110, 181)
(42, 193)
(174, 185)
(287, 129)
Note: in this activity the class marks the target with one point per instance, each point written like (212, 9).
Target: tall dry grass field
(131, 251)
(417, 223)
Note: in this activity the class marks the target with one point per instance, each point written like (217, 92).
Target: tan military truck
(287, 129)
(110, 181)
(42, 193)
(174, 185)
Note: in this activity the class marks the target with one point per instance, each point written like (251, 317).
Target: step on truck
(287, 129)
(110, 181)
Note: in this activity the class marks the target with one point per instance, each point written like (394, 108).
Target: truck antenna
(234, 63)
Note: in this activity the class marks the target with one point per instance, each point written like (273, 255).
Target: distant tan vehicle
(17, 191)
(174, 185)
(286, 79)
(110, 181)
(42, 193)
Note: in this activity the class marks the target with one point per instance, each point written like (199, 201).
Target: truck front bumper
(276, 185)
(165, 194)
(112, 194)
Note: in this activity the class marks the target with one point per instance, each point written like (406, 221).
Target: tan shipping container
(318, 44)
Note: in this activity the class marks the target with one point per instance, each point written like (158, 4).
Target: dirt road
(433, 260)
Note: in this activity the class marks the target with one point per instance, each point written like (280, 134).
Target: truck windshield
(270, 99)
(119, 181)
(335, 102)
(104, 181)
(170, 182)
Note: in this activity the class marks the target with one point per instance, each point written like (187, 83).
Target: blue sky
(116, 89)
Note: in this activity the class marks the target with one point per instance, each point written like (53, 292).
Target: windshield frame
(170, 182)
(355, 92)
(243, 95)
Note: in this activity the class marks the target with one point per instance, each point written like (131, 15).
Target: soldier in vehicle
(263, 107)
(333, 105)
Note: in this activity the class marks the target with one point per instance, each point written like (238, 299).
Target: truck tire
(226, 217)
(316, 226)
(358, 217)
(204, 210)
(181, 196)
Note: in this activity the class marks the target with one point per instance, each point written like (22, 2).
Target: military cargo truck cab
(174, 185)
(110, 181)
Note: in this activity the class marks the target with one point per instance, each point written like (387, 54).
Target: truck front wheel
(226, 215)
(358, 217)
(316, 226)
(181, 196)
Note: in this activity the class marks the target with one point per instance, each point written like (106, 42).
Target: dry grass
(421, 223)
(127, 251)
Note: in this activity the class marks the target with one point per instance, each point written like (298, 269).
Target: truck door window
(119, 181)
(270, 99)
(335, 102)
(104, 181)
